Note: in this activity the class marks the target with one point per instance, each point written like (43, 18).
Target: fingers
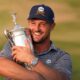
(27, 44)
(15, 58)
(28, 33)
(15, 52)
(27, 30)
(18, 48)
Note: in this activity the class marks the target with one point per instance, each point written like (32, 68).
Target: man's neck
(42, 46)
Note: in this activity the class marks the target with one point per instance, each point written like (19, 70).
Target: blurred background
(66, 34)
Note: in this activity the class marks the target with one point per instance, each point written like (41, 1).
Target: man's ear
(52, 26)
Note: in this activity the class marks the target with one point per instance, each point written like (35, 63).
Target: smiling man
(46, 62)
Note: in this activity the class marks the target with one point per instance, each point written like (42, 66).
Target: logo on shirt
(48, 61)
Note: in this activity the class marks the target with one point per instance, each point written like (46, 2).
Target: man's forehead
(38, 20)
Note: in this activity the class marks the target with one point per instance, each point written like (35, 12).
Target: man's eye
(32, 23)
(43, 24)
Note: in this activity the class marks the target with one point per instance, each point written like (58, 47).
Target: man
(46, 62)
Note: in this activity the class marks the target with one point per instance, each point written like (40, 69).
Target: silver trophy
(17, 36)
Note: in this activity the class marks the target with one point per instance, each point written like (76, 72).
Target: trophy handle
(8, 36)
(14, 18)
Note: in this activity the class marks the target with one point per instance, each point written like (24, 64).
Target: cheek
(31, 28)
(47, 31)
(44, 29)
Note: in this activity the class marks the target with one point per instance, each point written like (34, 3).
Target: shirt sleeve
(64, 64)
(6, 51)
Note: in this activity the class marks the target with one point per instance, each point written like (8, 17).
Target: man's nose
(37, 27)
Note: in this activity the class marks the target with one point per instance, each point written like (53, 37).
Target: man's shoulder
(59, 53)
(62, 52)
(6, 51)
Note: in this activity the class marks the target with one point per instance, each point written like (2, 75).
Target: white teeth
(37, 33)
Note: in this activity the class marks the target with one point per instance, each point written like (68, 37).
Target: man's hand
(23, 54)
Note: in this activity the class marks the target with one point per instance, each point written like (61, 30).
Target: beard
(40, 41)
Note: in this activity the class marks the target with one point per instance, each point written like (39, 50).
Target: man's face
(40, 30)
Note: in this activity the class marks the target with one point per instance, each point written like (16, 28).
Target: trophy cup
(17, 36)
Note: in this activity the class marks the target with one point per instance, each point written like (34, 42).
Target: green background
(66, 34)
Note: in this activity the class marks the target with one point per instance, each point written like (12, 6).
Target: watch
(33, 63)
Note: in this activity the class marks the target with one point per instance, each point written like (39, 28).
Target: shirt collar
(52, 47)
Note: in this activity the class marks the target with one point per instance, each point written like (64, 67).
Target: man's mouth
(37, 33)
